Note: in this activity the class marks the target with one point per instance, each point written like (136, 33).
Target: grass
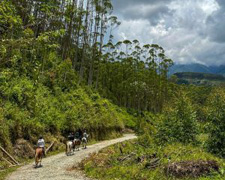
(109, 164)
(6, 172)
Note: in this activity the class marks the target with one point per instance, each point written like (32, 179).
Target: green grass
(107, 165)
(6, 172)
(202, 139)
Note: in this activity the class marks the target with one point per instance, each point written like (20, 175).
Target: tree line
(36, 35)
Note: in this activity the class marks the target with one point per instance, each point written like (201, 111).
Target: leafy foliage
(57, 56)
(179, 123)
(40, 82)
(130, 160)
(30, 109)
(199, 79)
(42, 35)
(51, 50)
(216, 108)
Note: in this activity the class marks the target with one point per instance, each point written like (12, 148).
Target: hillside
(131, 160)
(185, 141)
(60, 72)
(29, 109)
(200, 68)
(199, 78)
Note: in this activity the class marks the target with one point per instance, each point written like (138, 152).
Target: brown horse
(38, 156)
(77, 143)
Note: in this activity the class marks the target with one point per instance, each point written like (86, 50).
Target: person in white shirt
(41, 144)
(85, 139)
(85, 135)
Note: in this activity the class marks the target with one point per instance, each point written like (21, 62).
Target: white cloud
(183, 30)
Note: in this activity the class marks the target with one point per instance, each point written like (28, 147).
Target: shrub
(216, 117)
(147, 130)
(4, 131)
(179, 122)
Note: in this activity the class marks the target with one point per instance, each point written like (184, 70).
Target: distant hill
(218, 70)
(199, 68)
(200, 78)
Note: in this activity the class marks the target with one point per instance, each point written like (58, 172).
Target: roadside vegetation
(131, 160)
(183, 142)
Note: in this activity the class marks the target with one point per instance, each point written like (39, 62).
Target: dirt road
(55, 167)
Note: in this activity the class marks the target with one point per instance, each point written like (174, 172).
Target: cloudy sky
(189, 30)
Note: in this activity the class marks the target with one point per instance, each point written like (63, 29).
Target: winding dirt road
(55, 167)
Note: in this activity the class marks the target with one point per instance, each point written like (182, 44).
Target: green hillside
(29, 109)
(179, 68)
(57, 74)
(198, 68)
(185, 141)
(199, 78)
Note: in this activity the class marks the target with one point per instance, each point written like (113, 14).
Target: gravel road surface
(56, 167)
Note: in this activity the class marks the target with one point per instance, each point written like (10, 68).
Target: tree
(179, 123)
(216, 118)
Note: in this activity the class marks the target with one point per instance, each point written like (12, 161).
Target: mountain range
(199, 68)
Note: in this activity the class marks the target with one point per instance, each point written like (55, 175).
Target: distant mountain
(205, 79)
(218, 69)
(199, 68)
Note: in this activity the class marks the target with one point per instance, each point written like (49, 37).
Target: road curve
(55, 167)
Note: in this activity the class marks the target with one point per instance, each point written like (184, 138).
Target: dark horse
(77, 143)
(38, 156)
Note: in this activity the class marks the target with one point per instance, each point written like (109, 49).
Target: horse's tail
(67, 148)
(84, 140)
(37, 156)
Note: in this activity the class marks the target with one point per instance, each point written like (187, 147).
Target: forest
(61, 70)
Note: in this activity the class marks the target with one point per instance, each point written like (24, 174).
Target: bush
(147, 130)
(179, 123)
(4, 131)
(216, 117)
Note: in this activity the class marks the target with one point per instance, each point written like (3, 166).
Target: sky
(191, 31)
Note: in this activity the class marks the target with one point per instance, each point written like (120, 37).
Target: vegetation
(179, 123)
(61, 70)
(199, 68)
(131, 160)
(6, 172)
(44, 34)
(189, 132)
(205, 79)
(193, 75)
(29, 110)
(216, 119)
(54, 63)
